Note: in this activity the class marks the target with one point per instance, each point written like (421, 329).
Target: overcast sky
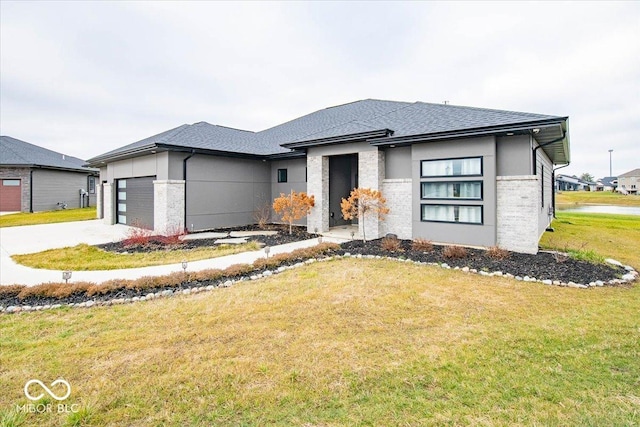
(83, 78)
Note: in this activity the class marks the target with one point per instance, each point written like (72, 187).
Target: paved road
(36, 238)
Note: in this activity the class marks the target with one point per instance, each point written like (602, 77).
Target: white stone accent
(318, 187)
(518, 204)
(371, 172)
(399, 220)
(168, 206)
(108, 208)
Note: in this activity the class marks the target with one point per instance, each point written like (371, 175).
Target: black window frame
(422, 196)
(481, 158)
(282, 175)
(452, 222)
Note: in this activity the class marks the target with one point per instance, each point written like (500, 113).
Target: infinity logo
(52, 394)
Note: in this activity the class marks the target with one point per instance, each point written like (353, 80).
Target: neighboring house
(573, 183)
(36, 179)
(608, 183)
(462, 175)
(629, 181)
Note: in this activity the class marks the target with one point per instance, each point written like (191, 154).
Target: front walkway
(36, 238)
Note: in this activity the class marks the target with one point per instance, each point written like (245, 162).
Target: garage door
(135, 201)
(10, 195)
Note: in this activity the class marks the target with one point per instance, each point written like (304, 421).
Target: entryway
(343, 177)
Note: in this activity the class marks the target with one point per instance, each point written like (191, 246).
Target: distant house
(450, 174)
(36, 179)
(608, 183)
(630, 181)
(573, 183)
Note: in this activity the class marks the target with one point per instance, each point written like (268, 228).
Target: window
(451, 167)
(452, 190)
(282, 175)
(11, 182)
(92, 184)
(452, 213)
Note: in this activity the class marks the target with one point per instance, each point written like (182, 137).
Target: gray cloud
(87, 77)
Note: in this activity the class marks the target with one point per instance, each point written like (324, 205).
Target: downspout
(553, 197)
(184, 178)
(30, 190)
(535, 172)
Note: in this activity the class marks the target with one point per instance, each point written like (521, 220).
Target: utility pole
(610, 169)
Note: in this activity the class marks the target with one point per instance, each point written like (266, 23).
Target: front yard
(49, 217)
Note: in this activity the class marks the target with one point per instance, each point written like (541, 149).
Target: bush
(137, 235)
(262, 214)
(237, 270)
(11, 290)
(455, 252)
(55, 290)
(422, 245)
(108, 286)
(495, 252)
(391, 244)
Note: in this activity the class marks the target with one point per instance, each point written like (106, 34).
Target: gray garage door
(135, 201)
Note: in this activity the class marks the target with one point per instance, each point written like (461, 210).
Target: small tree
(293, 206)
(363, 202)
(587, 177)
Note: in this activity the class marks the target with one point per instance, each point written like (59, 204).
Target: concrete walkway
(36, 238)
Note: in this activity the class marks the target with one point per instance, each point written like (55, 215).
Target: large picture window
(470, 190)
(452, 213)
(471, 166)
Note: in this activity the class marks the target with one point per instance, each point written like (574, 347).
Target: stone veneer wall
(107, 208)
(25, 181)
(518, 204)
(371, 173)
(168, 206)
(318, 186)
(399, 220)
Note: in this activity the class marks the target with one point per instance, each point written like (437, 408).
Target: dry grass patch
(85, 257)
(349, 342)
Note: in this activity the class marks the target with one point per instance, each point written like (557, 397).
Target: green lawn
(612, 236)
(596, 198)
(49, 217)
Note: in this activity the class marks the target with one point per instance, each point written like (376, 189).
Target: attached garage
(10, 195)
(134, 202)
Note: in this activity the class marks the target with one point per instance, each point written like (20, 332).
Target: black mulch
(541, 266)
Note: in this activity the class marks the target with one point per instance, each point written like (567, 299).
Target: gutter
(184, 177)
(534, 163)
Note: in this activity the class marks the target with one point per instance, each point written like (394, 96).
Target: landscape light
(184, 265)
(267, 249)
(66, 275)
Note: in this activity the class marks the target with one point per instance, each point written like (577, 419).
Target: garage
(10, 195)
(134, 202)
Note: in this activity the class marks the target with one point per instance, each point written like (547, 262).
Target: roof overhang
(554, 141)
(341, 139)
(86, 170)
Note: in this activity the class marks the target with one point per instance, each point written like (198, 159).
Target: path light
(184, 265)
(353, 234)
(267, 249)
(66, 275)
(319, 239)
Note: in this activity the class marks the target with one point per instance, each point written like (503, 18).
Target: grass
(596, 198)
(49, 217)
(84, 257)
(593, 236)
(348, 342)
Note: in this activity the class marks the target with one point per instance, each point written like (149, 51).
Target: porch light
(267, 249)
(66, 275)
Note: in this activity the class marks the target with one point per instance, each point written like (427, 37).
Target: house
(608, 183)
(36, 179)
(573, 183)
(630, 181)
(461, 175)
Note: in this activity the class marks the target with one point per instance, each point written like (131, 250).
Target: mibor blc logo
(59, 390)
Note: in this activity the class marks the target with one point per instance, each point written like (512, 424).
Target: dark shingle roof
(402, 118)
(635, 172)
(14, 152)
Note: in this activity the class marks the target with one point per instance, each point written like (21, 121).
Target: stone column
(371, 173)
(518, 204)
(399, 200)
(168, 206)
(318, 186)
(108, 208)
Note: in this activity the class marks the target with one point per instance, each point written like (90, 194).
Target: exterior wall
(168, 206)
(296, 181)
(518, 202)
(464, 234)
(630, 183)
(150, 165)
(53, 186)
(545, 192)
(371, 173)
(225, 192)
(398, 163)
(25, 182)
(318, 186)
(513, 155)
(108, 212)
(399, 200)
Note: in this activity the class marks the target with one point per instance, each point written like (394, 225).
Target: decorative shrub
(262, 215)
(293, 206)
(497, 253)
(55, 290)
(11, 290)
(422, 245)
(363, 202)
(455, 252)
(391, 244)
(137, 235)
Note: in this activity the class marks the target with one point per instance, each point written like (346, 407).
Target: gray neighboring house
(35, 179)
(629, 181)
(450, 174)
(573, 183)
